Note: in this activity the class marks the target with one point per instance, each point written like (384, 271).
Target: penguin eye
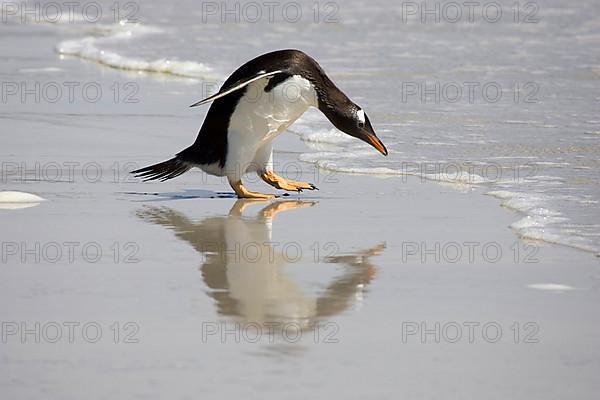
(360, 115)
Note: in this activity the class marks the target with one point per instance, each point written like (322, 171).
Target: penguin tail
(163, 171)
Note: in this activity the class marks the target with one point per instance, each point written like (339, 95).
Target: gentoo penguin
(256, 103)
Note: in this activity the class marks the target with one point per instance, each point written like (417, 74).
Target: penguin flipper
(236, 86)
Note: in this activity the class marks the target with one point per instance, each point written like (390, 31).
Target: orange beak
(375, 142)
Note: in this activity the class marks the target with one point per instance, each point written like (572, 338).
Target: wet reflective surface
(367, 288)
(224, 297)
(244, 267)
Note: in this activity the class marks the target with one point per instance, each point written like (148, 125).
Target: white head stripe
(361, 115)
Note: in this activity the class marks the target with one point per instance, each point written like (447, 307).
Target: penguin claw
(284, 184)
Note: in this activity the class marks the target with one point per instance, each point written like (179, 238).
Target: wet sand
(345, 277)
(168, 290)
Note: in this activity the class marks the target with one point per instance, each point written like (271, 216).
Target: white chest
(259, 117)
(263, 115)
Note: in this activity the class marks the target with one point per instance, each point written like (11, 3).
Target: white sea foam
(338, 162)
(19, 197)
(554, 287)
(89, 48)
(529, 204)
(435, 144)
(539, 221)
(11, 200)
(332, 136)
(39, 70)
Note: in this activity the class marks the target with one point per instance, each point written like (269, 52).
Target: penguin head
(353, 121)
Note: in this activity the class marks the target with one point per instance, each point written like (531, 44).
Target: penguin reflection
(245, 272)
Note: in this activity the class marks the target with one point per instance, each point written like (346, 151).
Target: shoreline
(384, 270)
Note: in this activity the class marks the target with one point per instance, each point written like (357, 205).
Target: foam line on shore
(89, 48)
